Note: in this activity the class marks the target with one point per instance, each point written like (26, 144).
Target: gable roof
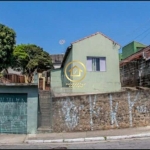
(94, 35)
(70, 47)
(12, 71)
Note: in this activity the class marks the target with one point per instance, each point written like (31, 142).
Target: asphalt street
(143, 143)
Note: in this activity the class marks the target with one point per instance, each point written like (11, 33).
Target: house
(135, 69)
(12, 76)
(44, 76)
(96, 61)
(41, 78)
(131, 48)
(57, 60)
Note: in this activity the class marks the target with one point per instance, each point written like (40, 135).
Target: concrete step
(45, 123)
(44, 94)
(44, 110)
(45, 119)
(43, 100)
(45, 103)
(44, 129)
(45, 116)
(44, 107)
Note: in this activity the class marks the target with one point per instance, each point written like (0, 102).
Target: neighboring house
(130, 49)
(57, 60)
(41, 78)
(135, 69)
(11, 71)
(99, 55)
(13, 76)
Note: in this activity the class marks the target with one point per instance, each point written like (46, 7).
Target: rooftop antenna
(62, 42)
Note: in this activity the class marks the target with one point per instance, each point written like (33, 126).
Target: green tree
(7, 43)
(29, 57)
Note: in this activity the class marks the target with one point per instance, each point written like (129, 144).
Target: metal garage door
(13, 113)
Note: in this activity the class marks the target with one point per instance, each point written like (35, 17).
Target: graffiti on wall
(113, 112)
(71, 113)
(131, 104)
(142, 109)
(93, 110)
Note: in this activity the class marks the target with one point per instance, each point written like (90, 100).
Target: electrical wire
(145, 36)
(138, 36)
(138, 28)
(142, 33)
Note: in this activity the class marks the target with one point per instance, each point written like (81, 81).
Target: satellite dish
(61, 42)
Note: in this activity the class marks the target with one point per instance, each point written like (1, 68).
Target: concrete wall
(131, 48)
(128, 50)
(102, 111)
(56, 78)
(32, 101)
(68, 60)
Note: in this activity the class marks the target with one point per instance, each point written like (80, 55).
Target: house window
(96, 63)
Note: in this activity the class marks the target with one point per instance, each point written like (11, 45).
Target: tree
(29, 57)
(7, 43)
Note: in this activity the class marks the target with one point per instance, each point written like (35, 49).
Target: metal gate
(13, 113)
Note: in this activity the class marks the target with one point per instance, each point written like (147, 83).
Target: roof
(66, 54)
(57, 58)
(70, 47)
(134, 56)
(94, 35)
(134, 42)
(12, 71)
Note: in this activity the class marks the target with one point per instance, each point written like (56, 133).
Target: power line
(145, 36)
(138, 36)
(141, 33)
(138, 27)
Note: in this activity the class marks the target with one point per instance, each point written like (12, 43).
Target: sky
(46, 23)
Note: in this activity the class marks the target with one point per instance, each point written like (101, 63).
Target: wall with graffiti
(102, 111)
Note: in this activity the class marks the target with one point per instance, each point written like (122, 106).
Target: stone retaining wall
(101, 111)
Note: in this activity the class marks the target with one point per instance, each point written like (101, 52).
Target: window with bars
(96, 64)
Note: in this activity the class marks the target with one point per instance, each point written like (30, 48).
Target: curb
(90, 139)
(128, 136)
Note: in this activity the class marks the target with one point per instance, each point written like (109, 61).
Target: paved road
(122, 144)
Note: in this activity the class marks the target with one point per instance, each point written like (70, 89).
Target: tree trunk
(29, 78)
(6, 71)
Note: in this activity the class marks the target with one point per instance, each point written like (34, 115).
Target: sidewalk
(100, 135)
(12, 138)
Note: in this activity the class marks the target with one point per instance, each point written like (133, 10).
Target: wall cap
(18, 84)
